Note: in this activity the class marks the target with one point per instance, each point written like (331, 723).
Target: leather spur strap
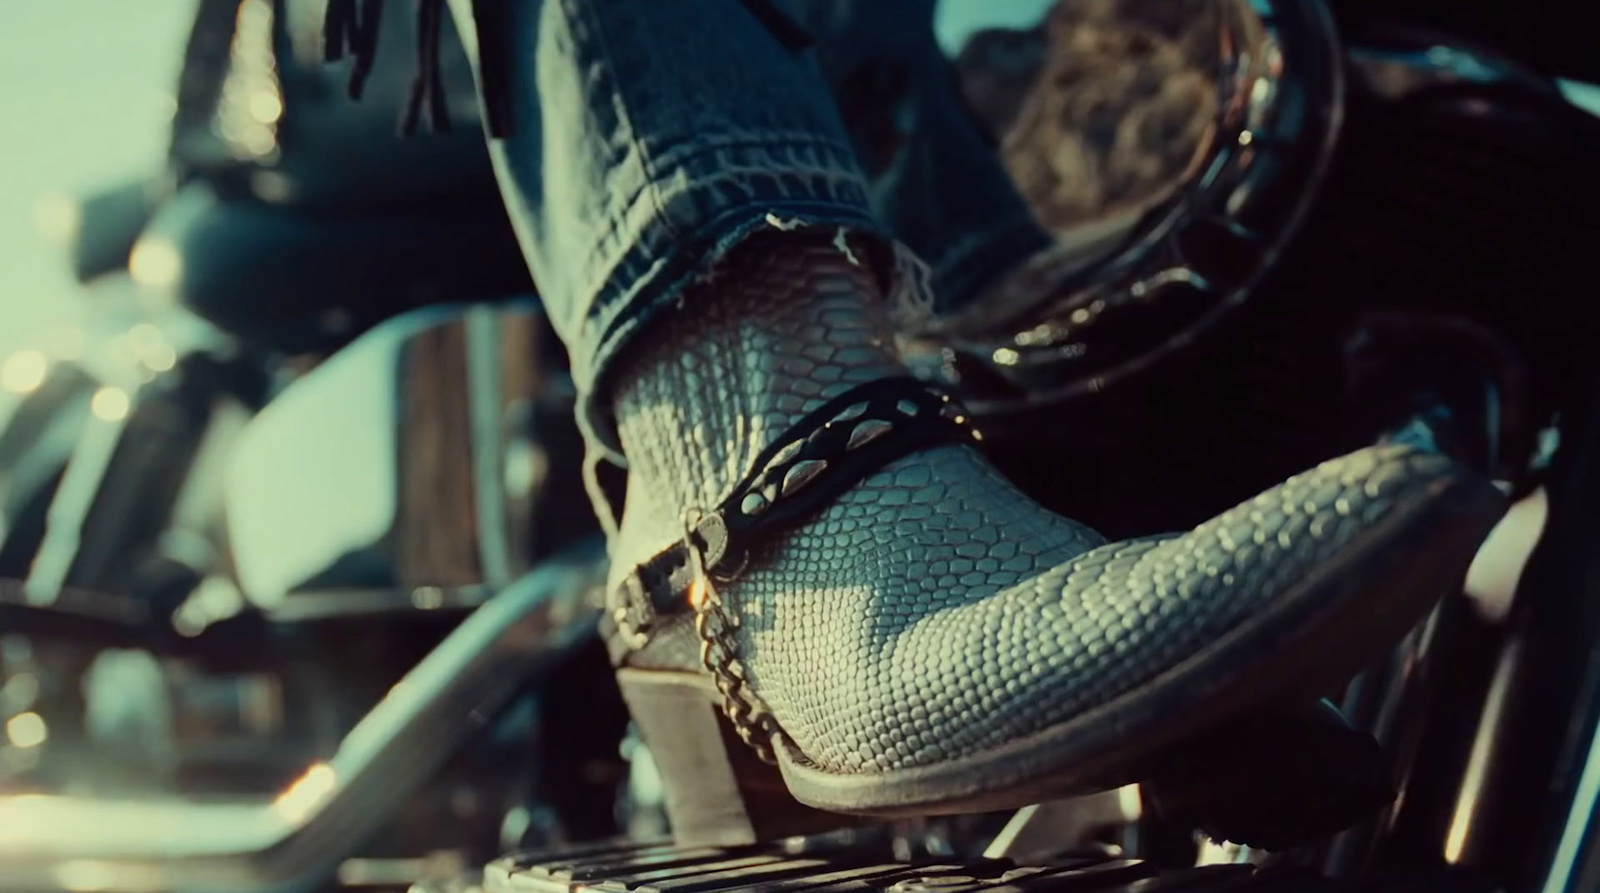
(824, 454)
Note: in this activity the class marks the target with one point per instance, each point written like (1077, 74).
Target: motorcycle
(194, 616)
(1345, 246)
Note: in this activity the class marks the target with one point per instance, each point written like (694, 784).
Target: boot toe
(873, 685)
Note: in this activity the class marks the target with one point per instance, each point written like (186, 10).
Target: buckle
(824, 454)
(632, 612)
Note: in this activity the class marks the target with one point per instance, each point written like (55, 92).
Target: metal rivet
(953, 413)
(753, 504)
(868, 431)
(801, 474)
(787, 453)
(907, 407)
(851, 413)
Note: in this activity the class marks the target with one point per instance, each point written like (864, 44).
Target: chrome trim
(1045, 830)
(296, 841)
(1396, 73)
(486, 416)
(80, 485)
(129, 370)
(430, 414)
(1390, 701)
(315, 604)
(26, 413)
(1578, 827)
(85, 476)
(1278, 121)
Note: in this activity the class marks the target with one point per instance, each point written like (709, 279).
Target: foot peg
(1273, 779)
(830, 865)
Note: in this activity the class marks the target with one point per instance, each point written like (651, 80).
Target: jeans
(647, 138)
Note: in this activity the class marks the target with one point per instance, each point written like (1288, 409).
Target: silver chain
(719, 654)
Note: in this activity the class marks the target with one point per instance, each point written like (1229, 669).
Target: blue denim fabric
(943, 192)
(648, 137)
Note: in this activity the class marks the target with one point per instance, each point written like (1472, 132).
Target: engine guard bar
(296, 841)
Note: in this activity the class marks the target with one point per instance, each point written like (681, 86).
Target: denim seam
(677, 159)
(652, 194)
(811, 214)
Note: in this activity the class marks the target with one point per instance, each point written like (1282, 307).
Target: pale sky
(958, 18)
(84, 92)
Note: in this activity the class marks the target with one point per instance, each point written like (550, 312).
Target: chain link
(719, 650)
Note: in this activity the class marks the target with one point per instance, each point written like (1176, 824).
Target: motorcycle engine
(1368, 219)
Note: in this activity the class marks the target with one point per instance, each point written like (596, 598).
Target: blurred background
(88, 98)
(88, 101)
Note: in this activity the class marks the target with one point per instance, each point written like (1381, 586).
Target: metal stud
(954, 413)
(801, 474)
(753, 504)
(851, 413)
(868, 431)
(787, 453)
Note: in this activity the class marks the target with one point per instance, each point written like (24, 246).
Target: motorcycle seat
(98, 229)
(299, 279)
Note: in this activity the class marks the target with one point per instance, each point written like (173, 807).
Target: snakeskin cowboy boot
(818, 570)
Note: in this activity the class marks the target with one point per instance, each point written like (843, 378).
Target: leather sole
(1326, 628)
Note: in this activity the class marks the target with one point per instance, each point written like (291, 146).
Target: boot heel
(718, 792)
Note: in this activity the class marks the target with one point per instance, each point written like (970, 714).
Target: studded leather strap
(824, 454)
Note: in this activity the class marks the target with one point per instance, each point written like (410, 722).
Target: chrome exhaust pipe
(296, 841)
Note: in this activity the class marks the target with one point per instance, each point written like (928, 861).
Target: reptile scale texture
(931, 639)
